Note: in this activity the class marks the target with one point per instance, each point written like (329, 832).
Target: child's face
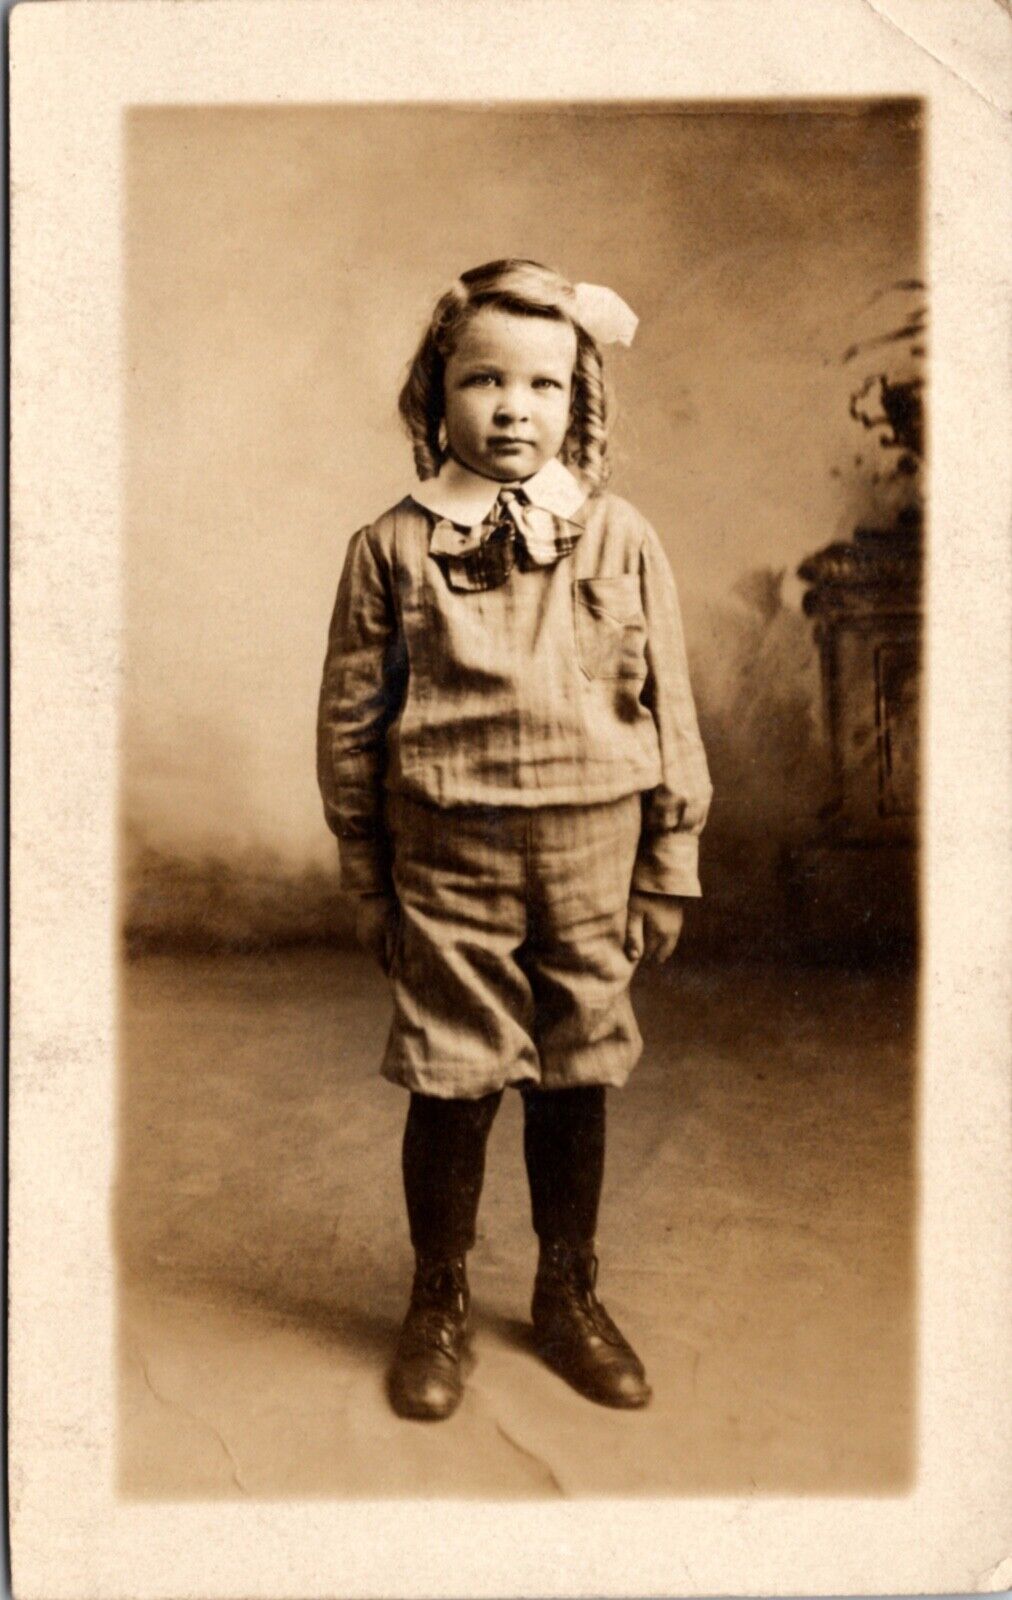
(508, 385)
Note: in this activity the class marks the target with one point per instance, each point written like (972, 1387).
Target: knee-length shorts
(509, 964)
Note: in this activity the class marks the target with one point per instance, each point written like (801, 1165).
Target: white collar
(466, 498)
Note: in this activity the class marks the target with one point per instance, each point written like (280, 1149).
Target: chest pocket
(611, 630)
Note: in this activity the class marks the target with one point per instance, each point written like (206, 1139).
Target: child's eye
(547, 383)
(480, 378)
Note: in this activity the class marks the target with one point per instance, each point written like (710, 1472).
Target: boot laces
(576, 1273)
(438, 1310)
(440, 1286)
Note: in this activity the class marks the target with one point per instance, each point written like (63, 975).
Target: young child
(509, 757)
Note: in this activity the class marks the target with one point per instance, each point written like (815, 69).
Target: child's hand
(376, 926)
(653, 926)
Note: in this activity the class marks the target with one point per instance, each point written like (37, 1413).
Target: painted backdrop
(280, 267)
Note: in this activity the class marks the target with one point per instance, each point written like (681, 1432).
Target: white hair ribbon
(604, 314)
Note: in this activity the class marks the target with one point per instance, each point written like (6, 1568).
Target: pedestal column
(854, 884)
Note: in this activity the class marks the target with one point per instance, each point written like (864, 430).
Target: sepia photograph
(615, 719)
(510, 844)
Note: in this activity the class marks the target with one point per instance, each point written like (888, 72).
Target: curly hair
(525, 288)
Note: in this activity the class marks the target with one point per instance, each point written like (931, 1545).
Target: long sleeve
(675, 812)
(363, 682)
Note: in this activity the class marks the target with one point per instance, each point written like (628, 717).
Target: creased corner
(947, 66)
(996, 1579)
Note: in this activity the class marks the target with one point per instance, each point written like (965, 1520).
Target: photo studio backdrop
(280, 266)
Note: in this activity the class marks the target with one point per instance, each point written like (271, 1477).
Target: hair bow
(604, 314)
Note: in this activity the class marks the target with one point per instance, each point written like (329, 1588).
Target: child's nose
(512, 406)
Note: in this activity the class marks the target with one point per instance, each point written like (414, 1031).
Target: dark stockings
(564, 1152)
(444, 1166)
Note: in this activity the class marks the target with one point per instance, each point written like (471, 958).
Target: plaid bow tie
(514, 534)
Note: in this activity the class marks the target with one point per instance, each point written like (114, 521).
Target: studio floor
(756, 1244)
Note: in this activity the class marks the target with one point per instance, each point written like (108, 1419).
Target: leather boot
(426, 1380)
(575, 1335)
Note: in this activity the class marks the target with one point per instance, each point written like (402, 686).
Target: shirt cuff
(365, 866)
(668, 863)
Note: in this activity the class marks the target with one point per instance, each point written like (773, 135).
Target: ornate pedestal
(855, 884)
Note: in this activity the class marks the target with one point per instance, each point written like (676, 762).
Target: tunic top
(565, 685)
